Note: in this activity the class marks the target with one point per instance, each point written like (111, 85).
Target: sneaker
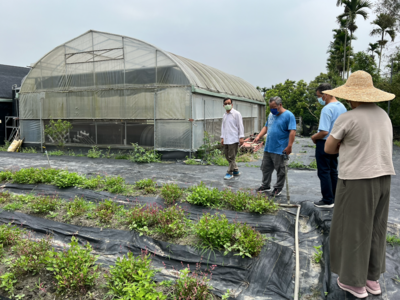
(263, 189)
(228, 176)
(276, 192)
(323, 204)
(359, 292)
(373, 287)
(236, 173)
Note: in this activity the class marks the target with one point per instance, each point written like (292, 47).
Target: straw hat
(359, 87)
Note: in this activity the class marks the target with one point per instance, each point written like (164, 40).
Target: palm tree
(386, 24)
(352, 8)
(373, 48)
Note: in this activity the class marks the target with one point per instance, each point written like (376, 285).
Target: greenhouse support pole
(40, 124)
(191, 117)
(155, 102)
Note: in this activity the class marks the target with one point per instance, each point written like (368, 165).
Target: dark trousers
(358, 230)
(327, 172)
(230, 152)
(271, 162)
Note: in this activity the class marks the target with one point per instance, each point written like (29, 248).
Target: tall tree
(389, 7)
(385, 26)
(373, 48)
(352, 9)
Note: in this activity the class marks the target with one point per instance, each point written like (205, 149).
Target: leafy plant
(318, 256)
(193, 285)
(201, 195)
(10, 235)
(6, 175)
(297, 165)
(7, 282)
(108, 153)
(58, 131)
(392, 240)
(216, 232)
(142, 217)
(66, 179)
(94, 152)
(74, 269)
(145, 183)
(114, 184)
(13, 206)
(77, 207)
(106, 210)
(218, 159)
(4, 148)
(192, 161)
(131, 278)
(171, 222)
(55, 153)
(28, 150)
(141, 155)
(44, 204)
(313, 165)
(171, 193)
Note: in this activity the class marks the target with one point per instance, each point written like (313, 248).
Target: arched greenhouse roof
(113, 53)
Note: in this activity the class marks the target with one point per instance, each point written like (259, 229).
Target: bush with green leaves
(171, 193)
(141, 155)
(10, 235)
(202, 195)
(114, 184)
(55, 153)
(78, 207)
(58, 131)
(172, 222)
(92, 182)
(131, 278)
(393, 240)
(7, 282)
(145, 183)
(216, 232)
(6, 176)
(106, 210)
(66, 179)
(74, 269)
(193, 285)
(44, 204)
(30, 256)
(94, 152)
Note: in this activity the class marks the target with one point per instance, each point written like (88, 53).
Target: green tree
(352, 9)
(393, 88)
(373, 48)
(363, 61)
(385, 26)
(389, 7)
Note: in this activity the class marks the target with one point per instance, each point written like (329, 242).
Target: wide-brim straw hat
(359, 87)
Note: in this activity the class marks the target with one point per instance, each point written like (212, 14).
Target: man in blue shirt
(281, 128)
(326, 163)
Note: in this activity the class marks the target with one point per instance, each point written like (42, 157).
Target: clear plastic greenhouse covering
(117, 90)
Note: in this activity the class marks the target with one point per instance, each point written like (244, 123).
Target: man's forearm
(292, 136)
(262, 132)
(320, 135)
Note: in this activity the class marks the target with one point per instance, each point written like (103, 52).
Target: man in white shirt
(232, 134)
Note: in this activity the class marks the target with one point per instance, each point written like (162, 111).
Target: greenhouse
(117, 90)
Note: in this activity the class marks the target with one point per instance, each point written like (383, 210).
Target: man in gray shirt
(232, 134)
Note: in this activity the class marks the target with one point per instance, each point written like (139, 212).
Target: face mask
(228, 107)
(274, 111)
(322, 102)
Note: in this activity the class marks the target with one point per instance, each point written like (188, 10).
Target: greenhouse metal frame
(117, 90)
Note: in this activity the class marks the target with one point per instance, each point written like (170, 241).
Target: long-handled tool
(286, 159)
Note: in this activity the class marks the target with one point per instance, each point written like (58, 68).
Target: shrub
(216, 232)
(7, 282)
(77, 207)
(171, 193)
(66, 179)
(114, 184)
(30, 256)
(131, 278)
(237, 201)
(6, 175)
(141, 217)
(201, 195)
(106, 210)
(57, 131)
(44, 204)
(10, 235)
(74, 269)
(172, 222)
(260, 204)
(141, 155)
(94, 152)
(4, 197)
(13, 206)
(92, 182)
(193, 285)
(145, 183)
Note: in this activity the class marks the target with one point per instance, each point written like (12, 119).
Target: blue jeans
(327, 172)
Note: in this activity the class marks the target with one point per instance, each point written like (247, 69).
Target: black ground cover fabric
(271, 276)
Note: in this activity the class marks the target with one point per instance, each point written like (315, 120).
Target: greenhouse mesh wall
(117, 91)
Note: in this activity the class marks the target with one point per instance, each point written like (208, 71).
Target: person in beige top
(363, 137)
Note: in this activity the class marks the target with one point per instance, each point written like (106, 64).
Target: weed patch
(94, 152)
(318, 255)
(77, 207)
(171, 193)
(392, 240)
(55, 153)
(44, 204)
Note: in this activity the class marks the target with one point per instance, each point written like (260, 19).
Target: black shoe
(263, 189)
(276, 192)
(323, 204)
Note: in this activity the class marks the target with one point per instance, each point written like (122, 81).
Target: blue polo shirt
(279, 128)
(329, 114)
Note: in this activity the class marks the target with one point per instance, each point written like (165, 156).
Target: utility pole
(391, 76)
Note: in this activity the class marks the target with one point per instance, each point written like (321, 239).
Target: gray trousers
(230, 152)
(358, 230)
(271, 162)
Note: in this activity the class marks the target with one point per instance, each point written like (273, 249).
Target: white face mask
(228, 107)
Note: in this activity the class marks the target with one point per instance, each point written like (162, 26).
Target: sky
(264, 42)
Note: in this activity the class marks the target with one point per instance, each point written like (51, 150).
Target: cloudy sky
(264, 42)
